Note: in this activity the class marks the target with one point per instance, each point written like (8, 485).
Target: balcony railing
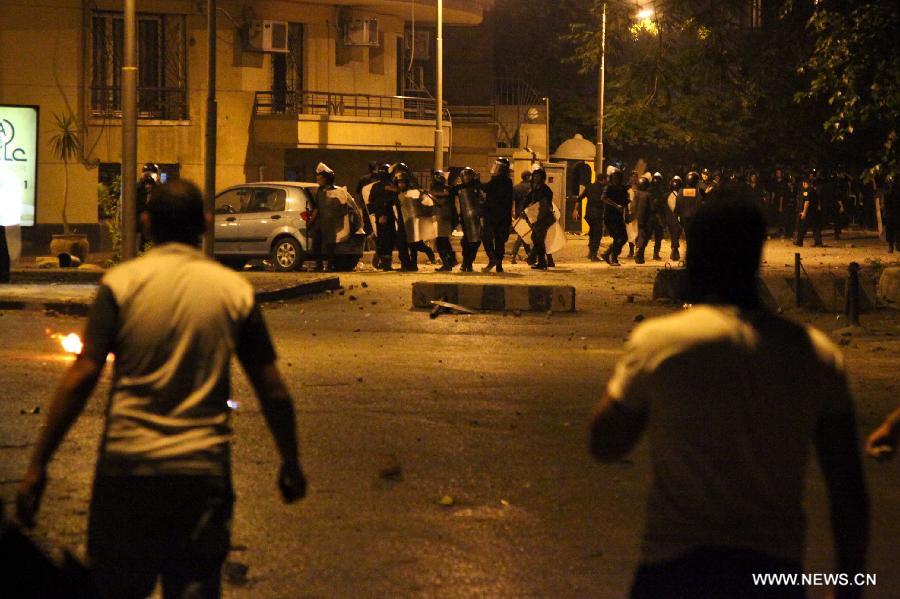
(163, 103)
(340, 104)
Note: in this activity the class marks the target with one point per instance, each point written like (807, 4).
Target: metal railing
(340, 104)
(164, 103)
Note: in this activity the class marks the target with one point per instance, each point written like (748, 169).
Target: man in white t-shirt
(731, 398)
(162, 499)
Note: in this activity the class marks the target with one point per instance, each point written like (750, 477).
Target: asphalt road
(400, 414)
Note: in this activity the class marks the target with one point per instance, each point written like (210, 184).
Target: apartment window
(161, 59)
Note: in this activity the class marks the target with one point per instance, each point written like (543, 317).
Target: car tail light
(304, 215)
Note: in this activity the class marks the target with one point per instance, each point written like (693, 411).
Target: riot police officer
(593, 215)
(810, 213)
(541, 195)
(417, 218)
(645, 204)
(783, 204)
(498, 196)
(383, 205)
(326, 220)
(688, 201)
(615, 199)
(469, 199)
(446, 219)
(672, 224)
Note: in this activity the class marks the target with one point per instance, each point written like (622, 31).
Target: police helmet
(383, 171)
(468, 175)
(399, 166)
(439, 178)
(676, 183)
(691, 179)
(150, 170)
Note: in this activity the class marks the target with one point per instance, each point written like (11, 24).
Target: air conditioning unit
(421, 46)
(268, 36)
(361, 32)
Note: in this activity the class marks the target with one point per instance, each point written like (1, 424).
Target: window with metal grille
(161, 59)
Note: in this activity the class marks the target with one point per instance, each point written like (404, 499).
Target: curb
(311, 287)
(78, 304)
(525, 298)
(825, 293)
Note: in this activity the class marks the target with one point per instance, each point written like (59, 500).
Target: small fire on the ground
(71, 343)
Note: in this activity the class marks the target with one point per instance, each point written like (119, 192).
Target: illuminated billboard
(18, 164)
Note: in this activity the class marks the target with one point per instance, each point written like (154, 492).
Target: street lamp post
(439, 112)
(209, 183)
(128, 183)
(601, 92)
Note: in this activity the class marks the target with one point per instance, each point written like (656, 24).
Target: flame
(71, 343)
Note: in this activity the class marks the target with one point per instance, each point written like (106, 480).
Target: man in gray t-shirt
(162, 499)
(731, 398)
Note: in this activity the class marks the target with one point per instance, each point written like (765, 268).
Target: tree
(700, 82)
(855, 67)
(64, 145)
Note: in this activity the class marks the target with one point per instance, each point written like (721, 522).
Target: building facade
(299, 81)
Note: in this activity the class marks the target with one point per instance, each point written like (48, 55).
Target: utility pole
(601, 92)
(439, 112)
(209, 186)
(129, 137)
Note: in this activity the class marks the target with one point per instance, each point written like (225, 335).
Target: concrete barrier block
(496, 297)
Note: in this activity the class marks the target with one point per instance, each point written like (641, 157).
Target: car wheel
(286, 254)
(346, 262)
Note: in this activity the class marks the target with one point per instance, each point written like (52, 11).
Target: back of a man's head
(724, 247)
(176, 213)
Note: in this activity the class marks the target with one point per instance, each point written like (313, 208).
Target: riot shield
(335, 215)
(417, 212)
(471, 211)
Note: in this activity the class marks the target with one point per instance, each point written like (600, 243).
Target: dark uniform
(498, 194)
(446, 220)
(543, 196)
(810, 215)
(672, 224)
(520, 196)
(383, 202)
(593, 215)
(688, 201)
(469, 200)
(644, 209)
(615, 199)
(783, 206)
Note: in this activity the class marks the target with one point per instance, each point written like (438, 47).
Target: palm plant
(65, 147)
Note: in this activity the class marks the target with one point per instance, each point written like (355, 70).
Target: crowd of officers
(404, 217)
(645, 208)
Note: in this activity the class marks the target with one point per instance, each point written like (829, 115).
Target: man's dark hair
(176, 213)
(724, 247)
(526, 176)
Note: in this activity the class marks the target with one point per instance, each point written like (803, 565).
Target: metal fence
(163, 103)
(341, 104)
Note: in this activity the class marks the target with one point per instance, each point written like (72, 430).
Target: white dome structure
(576, 148)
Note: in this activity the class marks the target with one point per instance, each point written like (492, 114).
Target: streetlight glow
(645, 13)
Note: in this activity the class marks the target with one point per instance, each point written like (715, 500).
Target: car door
(264, 213)
(229, 204)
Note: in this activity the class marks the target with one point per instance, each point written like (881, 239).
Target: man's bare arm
(836, 446)
(882, 442)
(278, 411)
(68, 402)
(615, 430)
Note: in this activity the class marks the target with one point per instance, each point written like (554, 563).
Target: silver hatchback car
(268, 220)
